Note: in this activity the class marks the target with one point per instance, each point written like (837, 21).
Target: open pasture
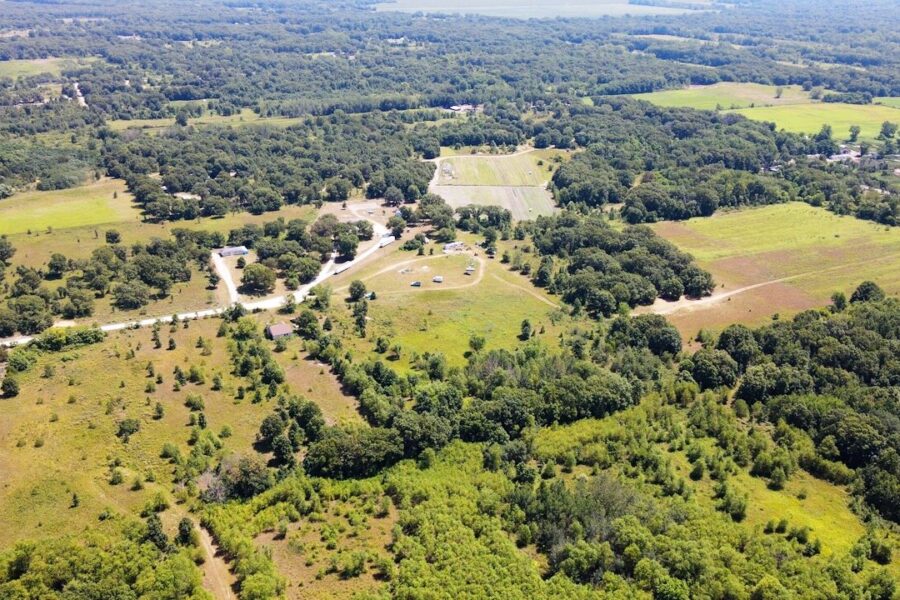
(491, 302)
(809, 118)
(40, 66)
(778, 259)
(83, 206)
(727, 95)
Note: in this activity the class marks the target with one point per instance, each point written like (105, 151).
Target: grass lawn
(809, 118)
(86, 205)
(817, 251)
(727, 95)
(525, 203)
(38, 66)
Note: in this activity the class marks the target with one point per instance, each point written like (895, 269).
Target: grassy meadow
(245, 117)
(40, 66)
(887, 101)
(58, 437)
(809, 118)
(793, 111)
(727, 95)
(800, 253)
(102, 202)
(492, 302)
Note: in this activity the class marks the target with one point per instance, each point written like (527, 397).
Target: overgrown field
(797, 255)
(727, 95)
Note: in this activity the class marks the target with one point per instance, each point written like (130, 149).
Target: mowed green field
(809, 118)
(525, 203)
(86, 205)
(39, 66)
(520, 169)
(727, 95)
(791, 257)
(516, 182)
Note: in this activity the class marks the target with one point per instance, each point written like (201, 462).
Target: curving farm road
(330, 268)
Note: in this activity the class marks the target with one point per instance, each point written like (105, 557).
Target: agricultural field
(727, 95)
(778, 259)
(809, 118)
(99, 203)
(40, 66)
(516, 182)
(794, 111)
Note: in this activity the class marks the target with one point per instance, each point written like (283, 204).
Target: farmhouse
(454, 247)
(279, 330)
(234, 251)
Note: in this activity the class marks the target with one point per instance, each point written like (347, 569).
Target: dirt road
(217, 579)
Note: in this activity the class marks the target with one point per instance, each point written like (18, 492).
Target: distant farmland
(528, 10)
(793, 111)
(790, 256)
(809, 118)
(727, 95)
